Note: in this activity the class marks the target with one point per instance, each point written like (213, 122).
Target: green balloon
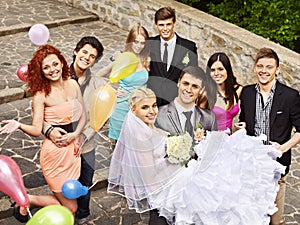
(52, 215)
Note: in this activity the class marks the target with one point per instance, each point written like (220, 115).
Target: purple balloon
(39, 34)
(73, 189)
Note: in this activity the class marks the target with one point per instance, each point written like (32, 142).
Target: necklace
(224, 98)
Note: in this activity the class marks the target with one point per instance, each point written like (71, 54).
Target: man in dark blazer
(172, 118)
(167, 62)
(271, 108)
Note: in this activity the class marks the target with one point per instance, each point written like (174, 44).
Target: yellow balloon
(102, 103)
(124, 65)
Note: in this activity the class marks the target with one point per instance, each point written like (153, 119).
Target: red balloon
(11, 181)
(22, 72)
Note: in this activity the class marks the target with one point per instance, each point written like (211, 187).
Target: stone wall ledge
(211, 34)
(11, 94)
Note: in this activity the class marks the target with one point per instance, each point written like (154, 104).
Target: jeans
(86, 179)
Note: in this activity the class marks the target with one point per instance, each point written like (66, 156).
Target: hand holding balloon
(121, 93)
(73, 189)
(10, 126)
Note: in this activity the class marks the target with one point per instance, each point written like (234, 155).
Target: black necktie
(165, 57)
(188, 125)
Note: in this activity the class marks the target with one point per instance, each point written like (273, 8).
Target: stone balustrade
(210, 34)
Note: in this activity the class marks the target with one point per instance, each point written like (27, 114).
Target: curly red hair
(37, 82)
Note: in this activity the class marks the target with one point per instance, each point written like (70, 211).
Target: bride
(234, 180)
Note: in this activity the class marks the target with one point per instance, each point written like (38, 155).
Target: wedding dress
(233, 182)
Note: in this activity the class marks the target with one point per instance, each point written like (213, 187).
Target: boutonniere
(186, 59)
(199, 132)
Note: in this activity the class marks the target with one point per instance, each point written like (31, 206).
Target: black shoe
(21, 218)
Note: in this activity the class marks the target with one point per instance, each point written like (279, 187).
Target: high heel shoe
(21, 218)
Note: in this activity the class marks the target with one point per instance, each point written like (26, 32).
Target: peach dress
(60, 164)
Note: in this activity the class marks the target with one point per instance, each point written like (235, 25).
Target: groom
(181, 114)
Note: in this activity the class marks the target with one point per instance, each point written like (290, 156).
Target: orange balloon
(124, 65)
(102, 103)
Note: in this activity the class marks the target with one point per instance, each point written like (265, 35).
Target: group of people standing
(179, 95)
(214, 98)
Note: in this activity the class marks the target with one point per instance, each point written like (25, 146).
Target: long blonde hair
(145, 53)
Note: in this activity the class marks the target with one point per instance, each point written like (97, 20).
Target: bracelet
(48, 131)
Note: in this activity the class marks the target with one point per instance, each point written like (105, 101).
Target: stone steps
(67, 25)
(50, 24)
(16, 18)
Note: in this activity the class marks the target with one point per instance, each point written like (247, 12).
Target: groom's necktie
(188, 124)
(165, 57)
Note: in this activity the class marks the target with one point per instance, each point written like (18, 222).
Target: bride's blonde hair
(139, 94)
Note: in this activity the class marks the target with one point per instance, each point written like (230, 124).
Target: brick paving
(67, 25)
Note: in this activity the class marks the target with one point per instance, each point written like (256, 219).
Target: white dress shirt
(182, 117)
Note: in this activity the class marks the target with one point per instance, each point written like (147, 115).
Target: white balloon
(39, 34)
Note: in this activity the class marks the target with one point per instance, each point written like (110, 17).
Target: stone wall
(210, 34)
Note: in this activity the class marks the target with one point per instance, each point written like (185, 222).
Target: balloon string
(93, 184)
(29, 213)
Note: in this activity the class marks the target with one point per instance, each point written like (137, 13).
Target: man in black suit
(174, 118)
(273, 109)
(170, 54)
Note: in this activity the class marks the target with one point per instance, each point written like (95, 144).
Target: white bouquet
(179, 149)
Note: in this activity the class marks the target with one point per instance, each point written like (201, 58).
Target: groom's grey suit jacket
(168, 119)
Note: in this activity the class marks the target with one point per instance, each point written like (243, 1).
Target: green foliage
(276, 20)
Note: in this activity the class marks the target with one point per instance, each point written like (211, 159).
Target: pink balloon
(39, 34)
(22, 72)
(11, 181)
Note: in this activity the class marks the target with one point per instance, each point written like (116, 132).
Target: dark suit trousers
(155, 219)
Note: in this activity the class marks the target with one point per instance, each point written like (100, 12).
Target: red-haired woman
(57, 100)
